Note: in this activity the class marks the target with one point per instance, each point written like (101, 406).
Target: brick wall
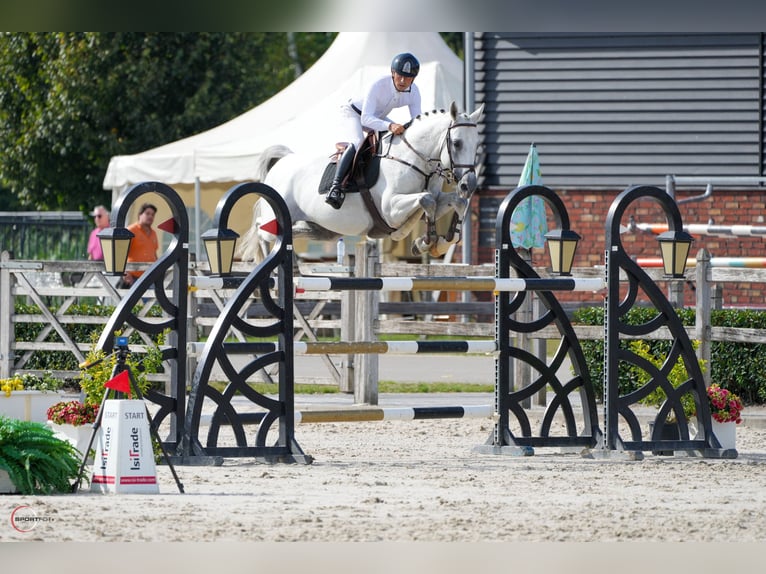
(588, 212)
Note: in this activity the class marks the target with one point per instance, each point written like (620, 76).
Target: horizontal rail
(447, 284)
(486, 283)
(737, 262)
(361, 347)
(374, 414)
(706, 229)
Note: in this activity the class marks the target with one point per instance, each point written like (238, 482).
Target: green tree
(70, 101)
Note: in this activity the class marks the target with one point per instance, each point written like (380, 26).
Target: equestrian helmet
(406, 65)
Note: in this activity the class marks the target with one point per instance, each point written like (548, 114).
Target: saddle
(364, 171)
(362, 176)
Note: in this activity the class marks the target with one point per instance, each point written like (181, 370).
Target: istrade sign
(124, 459)
(24, 519)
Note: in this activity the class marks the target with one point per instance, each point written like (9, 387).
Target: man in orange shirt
(144, 245)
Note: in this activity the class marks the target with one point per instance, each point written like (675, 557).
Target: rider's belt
(357, 110)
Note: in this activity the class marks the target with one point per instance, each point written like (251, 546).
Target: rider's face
(402, 83)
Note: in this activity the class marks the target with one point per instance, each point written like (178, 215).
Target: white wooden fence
(40, 282)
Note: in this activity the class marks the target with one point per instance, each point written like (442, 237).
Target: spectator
(101, 218)
(144, 245)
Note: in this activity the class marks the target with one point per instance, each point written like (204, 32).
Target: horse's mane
(425, 115)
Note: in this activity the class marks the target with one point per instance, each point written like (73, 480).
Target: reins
(447, 174)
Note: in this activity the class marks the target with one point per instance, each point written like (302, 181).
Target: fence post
(6, 317)
(702, 327)
(522, 375)
(366, 365)
(541, 350)
(347, 329)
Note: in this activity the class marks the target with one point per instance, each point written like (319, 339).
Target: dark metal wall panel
(608, 110)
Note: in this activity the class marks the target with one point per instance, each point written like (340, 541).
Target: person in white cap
(369, 111)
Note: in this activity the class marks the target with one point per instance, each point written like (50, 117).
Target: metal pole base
(504, 450)
(616, 455)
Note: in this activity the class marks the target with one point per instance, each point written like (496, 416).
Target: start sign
(124, 461)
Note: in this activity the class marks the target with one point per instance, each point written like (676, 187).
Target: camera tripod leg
(96, 426)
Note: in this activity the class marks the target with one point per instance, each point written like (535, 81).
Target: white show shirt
(381, 97)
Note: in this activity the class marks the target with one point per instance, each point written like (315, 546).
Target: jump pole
(357, 347)
(478, 283)
(373, 414)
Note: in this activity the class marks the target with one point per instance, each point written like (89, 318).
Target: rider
(368, 112)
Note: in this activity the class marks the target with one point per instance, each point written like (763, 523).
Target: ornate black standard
(279, 410)
(173, 304)
(577, 433)
(681, 349)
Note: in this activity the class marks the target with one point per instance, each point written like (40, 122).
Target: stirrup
(335, 198)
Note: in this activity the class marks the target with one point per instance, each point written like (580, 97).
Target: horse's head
(459, 155)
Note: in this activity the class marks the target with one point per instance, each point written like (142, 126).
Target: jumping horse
(428, 171)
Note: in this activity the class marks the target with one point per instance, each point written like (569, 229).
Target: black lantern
(674, 247)
(115, 243)
(562, 244)
(219, 245)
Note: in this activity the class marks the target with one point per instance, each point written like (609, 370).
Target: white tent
(302, 117)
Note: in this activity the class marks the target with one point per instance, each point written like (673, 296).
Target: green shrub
(738, 367)
(36, 461)
(78, 332)
(141, 364)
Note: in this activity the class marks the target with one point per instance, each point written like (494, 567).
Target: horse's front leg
(426, 204)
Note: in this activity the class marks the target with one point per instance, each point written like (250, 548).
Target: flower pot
(30, 405)
(726, 433)
(78, 436)
(6, 486)
(670, 431)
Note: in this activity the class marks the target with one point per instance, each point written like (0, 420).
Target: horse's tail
(254, 245)
(268, 158)
(256, 242)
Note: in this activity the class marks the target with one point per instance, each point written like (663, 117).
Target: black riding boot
(335, 196)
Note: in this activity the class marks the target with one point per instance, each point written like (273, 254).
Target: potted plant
(28, 396)
(33, 460)
(72, 421)
(102, 366)
(677, 376)
(726, 412)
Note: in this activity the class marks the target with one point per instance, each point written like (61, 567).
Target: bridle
(447, 174)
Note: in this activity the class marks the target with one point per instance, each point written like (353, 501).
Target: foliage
(725, 406)
(739, 367)
(141, 364)
(80, 332)
(676, 377)
(36, 461)
(69, 101)
(30, 382)
(72, 413)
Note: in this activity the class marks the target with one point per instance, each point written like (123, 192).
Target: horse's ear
(476, 115)
(453, 110)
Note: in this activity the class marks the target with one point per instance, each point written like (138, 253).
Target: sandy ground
(401, 481)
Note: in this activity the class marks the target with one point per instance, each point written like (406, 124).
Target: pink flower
(725, 406)
(72, 413)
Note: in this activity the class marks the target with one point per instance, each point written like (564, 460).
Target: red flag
(271, 227)
(119, 383)
(171, 226)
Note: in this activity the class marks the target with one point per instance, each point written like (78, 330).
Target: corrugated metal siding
(612, 110)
